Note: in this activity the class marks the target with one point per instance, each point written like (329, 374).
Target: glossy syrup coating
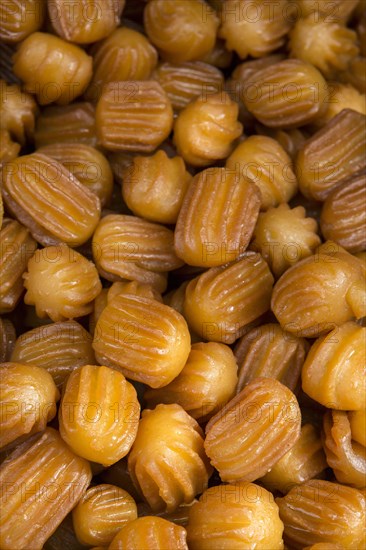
(355, 74)
(55, 479)
(343, 215)
(322, 511)
(205, 131)
(253, 431)
(167, 462)
(223, 300)
(263, 161)
(7, 339)
(135, 288)
(334, 371)
(28, 399)
(101, 514)
(327, 45)
(17, 246)
(89, 166)
(182, 31)
(73, 123)
(124, 55)
(85, 21)
(146, 340)
(128, 247)
(342, 96)
(235, 516)
(154, 187)
(217, 218)
(36, 183)
(288, 94)
(346, 457)
(19, 19)
(268, 351)
(284, 236)
(18, 110)
(61, 283)
(321, 291)
(150, 532)
(252, 28)
(357, 420)
(184, 82)
(133, 116)
(59, 348)
(306, 460)
(332, 155)
(52, 69)
(99, 414)
(205, 384)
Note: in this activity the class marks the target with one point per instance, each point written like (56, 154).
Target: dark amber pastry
(219, 56)
(327, 45)
(28, 397)
(357, 420)
(244, 71)
(9, 150)
(125, 55)
(20, 18)
(343, 217)
(52, 69)
(321, 511)
(167, 462)
(132, 248)
(182, 31)
(342, 96)
(271, 352)
(99, 414)
(146, 340)
(284, 236)
(253, 431)
(291, 140)
(17, 246)
(332, 155)
(153, 187)
(150, 532)
(84, 21)
(34, 184)
(61, 283)
(184, 82)
(205, 384)
(333, 373)
(7, 339)
(87, 164)
(233, 517)
(355, 74)
(346, 457)
(253, 27)
(134, 288)
(220, 302)
(41, 481)
(206, 129)
(262, 160)
(17, 112)
(287, 94)
(320, 292)
(58, 348)
(304, 461)
(101, 514)
(133, 116)
(217, 218)
(69, 124)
